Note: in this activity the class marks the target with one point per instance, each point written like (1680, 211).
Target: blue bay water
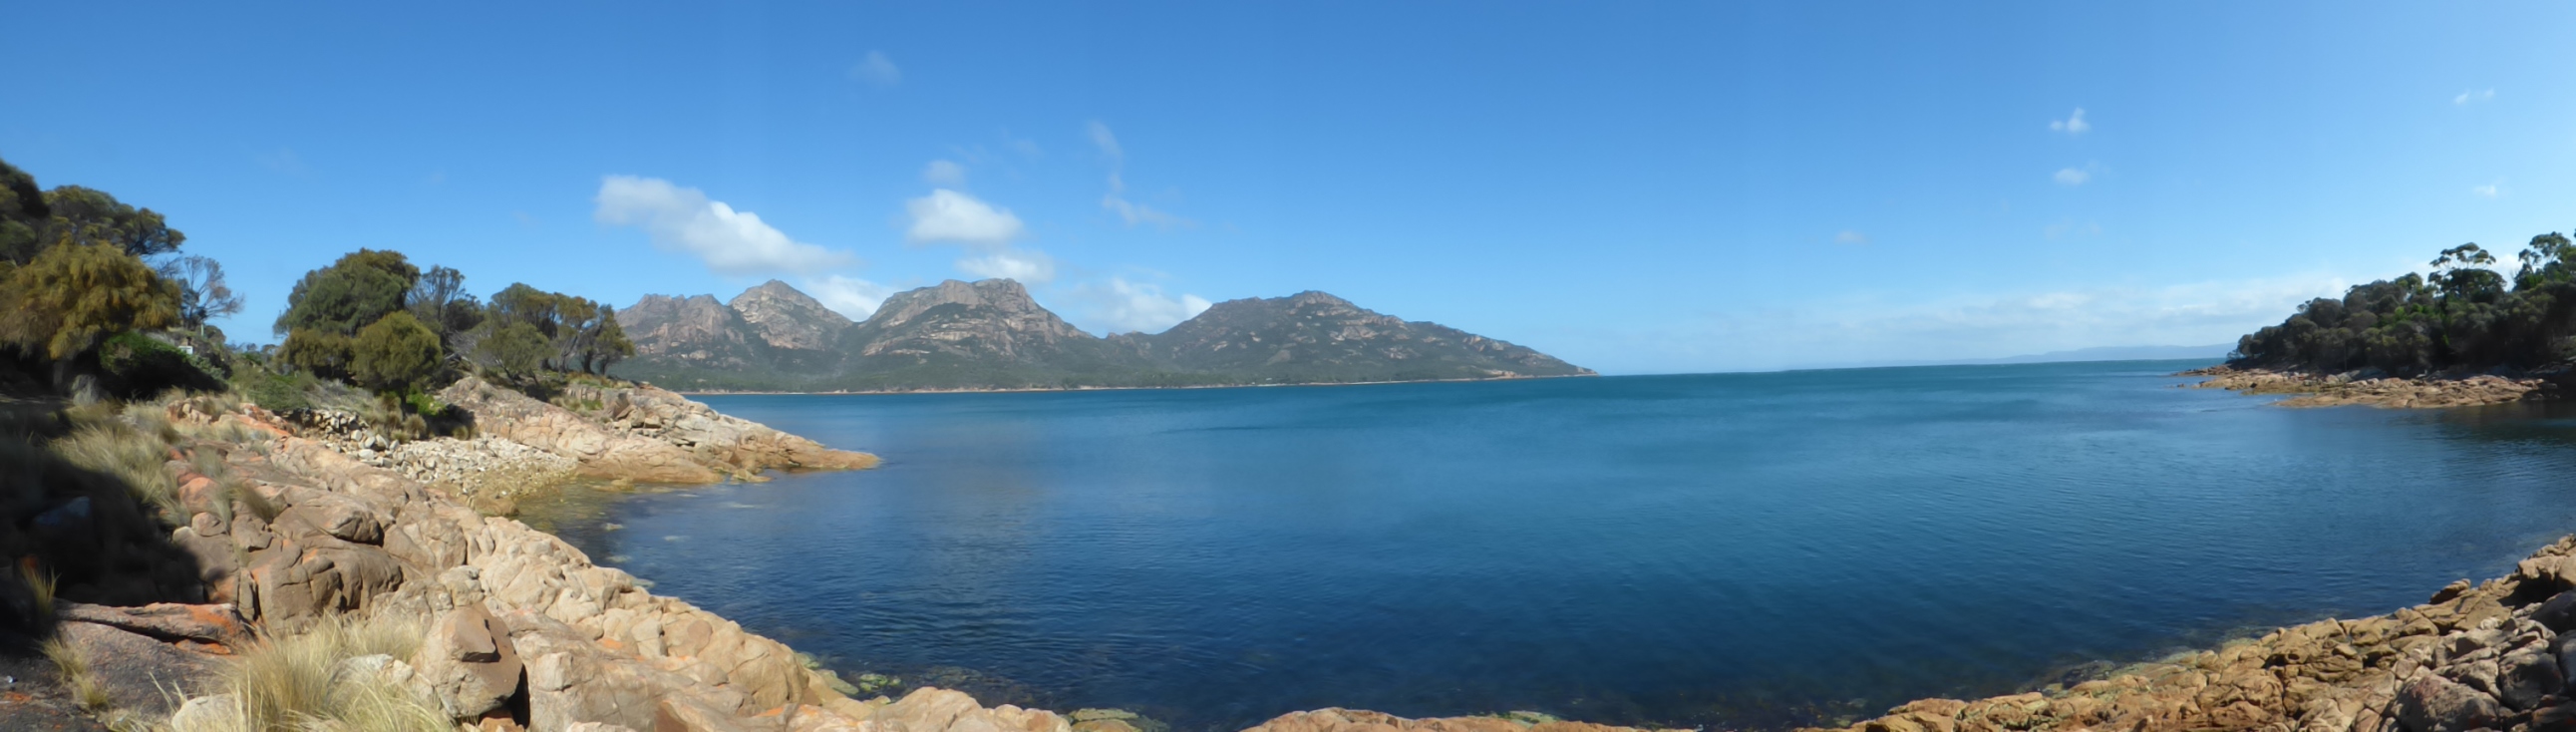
(1739, 550)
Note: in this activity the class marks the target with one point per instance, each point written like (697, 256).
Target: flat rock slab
(167, 621)
(140, 674)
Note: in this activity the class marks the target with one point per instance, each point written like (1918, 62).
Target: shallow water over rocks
(1725, 550)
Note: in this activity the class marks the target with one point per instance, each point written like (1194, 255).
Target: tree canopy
(352, 293)
(2463, 316)
(72, 296)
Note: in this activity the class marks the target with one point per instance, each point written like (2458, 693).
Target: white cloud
(2073, 125)
(877, 69)
(2490, 190)
(948, 216)
(1851, 237)
(2473, 96)
(1028, 266)
(1121, 306)
(850, 296)
(944, 174)
(2072, 176)
(683, 220)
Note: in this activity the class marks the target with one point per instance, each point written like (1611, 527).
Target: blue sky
(1636, 187)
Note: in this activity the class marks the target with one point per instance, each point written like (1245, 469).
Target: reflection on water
(1728, 550)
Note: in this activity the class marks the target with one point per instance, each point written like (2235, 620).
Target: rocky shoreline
(2335, 390)
(297, 522)
(2493, 655)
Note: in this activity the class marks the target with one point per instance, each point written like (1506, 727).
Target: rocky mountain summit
(786, 317)
(694, 332)
(992, 334)
(1313, 336)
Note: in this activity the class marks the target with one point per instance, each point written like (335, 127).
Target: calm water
(1728, 550)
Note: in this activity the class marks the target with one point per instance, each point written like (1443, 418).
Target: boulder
(2430, 703)
(2528, 675)
(468, 663)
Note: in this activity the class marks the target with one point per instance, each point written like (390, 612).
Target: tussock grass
(298, 682)
(134, 456)
(74, 672)
(40, 591)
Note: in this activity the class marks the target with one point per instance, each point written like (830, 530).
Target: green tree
(440, 301)
(324, 353)
(611, 346)
(72, 296)
(396, 353)
(22, 215)
(90, 215)
(516, 348)
(361, 288)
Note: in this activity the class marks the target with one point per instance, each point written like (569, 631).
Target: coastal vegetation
(2465, 317)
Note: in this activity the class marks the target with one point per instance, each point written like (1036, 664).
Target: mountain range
(990, 334)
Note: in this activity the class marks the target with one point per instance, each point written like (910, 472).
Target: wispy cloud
(1102, 138)
(944, 173)
(2491, 190)
(1849, 236)
(2074, 124)
(1870, 328)
(684, 220)
(283, 160)
(877, 70)
(2072, 176)
(1116, 200)
(2474, 95)
(1122, 306)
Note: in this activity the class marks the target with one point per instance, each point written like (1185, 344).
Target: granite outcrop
(2334, 390)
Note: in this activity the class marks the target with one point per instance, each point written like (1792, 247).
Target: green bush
(140, 365)
(396, 353)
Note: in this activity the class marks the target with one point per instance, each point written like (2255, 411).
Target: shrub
(141, 365)
(395, 353)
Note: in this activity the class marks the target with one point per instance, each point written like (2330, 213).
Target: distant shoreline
(1027, 390)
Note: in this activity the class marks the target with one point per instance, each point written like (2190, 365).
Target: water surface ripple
(1725, 550)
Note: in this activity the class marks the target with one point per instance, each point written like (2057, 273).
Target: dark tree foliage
(574, 334)
(33, 219)
(515, 348)
(361, 288)
(396, 354)
(90, 215)
(439, 300)
(22, 214)
(2463, 317)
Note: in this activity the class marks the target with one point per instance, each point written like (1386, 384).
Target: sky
(1636, 187)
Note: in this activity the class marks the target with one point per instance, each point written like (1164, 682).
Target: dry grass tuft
(299, 682)
(135, 457)
(75, 674)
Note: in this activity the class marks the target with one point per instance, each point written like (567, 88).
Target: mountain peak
(788, 318)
